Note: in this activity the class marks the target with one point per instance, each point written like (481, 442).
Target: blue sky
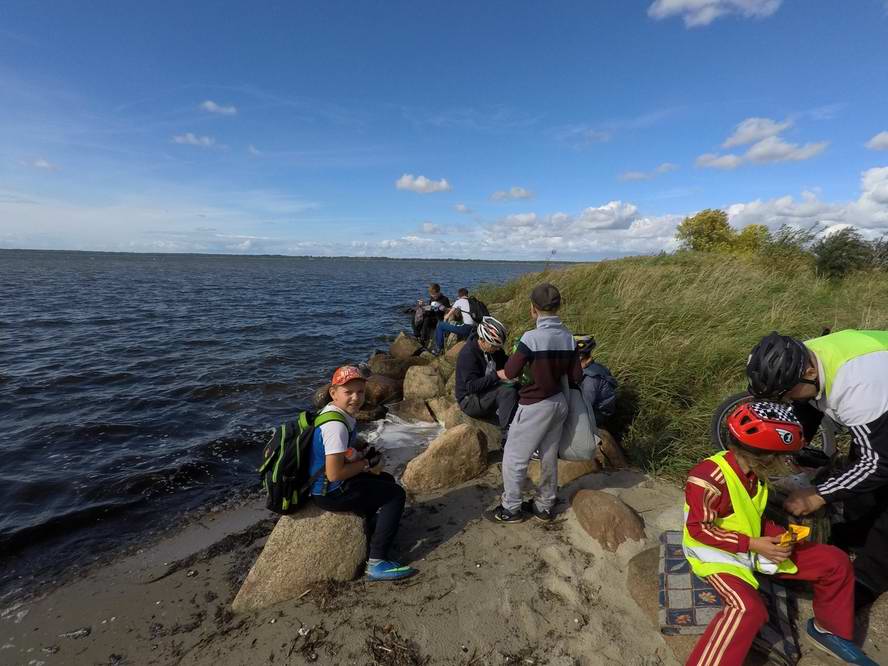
(471, 130)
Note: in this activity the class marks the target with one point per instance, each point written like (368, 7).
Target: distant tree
(707, 231)
(752, 239)
(879, 250)
(841, 252)
(791, 243)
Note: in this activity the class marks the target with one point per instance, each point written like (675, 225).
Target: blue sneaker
(388, 570)
(840, 648)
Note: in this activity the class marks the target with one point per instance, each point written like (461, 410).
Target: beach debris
(389, 649)
(191, 573)
(13, 613)
(51, 649)
(83, 632)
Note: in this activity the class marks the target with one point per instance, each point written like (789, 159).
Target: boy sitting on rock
(349, 480)
(727, 542)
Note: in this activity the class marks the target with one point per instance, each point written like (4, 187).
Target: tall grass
(676, 331)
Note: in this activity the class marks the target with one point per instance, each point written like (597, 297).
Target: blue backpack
(601, 386)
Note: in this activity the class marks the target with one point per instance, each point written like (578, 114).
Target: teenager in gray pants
(542, 407)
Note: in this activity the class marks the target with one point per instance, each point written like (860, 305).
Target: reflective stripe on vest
(746, 519)
(836, 349)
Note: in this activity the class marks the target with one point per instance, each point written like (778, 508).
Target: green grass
(676, 331)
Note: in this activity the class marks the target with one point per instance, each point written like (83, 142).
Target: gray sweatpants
(536, 426)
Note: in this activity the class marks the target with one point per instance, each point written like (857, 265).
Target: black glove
(372, 456)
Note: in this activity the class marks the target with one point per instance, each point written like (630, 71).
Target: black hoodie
(476, 370)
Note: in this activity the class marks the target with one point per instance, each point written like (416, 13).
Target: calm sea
(136, 387)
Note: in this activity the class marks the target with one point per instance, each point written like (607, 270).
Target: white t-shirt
(335, 434)
(462, 304)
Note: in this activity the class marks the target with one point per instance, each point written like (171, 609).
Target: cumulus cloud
(696, 13)
(190, 139)
(211, 107)
(767, 146)
(713, 161)
(462, 208)
(755, 129)
(878, 142)
(430, 228)
(665, 167)
(512, 193)
(422, 184)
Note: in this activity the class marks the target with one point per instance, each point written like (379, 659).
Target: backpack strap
(327, 417)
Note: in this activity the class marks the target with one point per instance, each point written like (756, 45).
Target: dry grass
(676, 331)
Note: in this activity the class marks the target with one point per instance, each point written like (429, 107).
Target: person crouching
(727, 542)
(479, 391)
(350, 481)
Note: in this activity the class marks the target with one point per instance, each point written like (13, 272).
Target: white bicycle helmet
(492, 332)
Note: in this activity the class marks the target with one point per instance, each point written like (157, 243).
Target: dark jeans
(424, 331)
(866, 533)
(501, 401)
(365, 494)
(462, 331)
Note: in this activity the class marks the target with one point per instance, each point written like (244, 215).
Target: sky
(487, 130)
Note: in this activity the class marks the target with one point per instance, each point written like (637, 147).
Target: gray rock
(422, 383)
(606, 518)
(439, 406)
(412, 410)
(381, 389)
(456, 456)
(308, 547)
(568, 470)
(405, 346)
(454, 416)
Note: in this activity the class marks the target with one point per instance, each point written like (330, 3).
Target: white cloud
(512, 193)
(767, 146)
(422, 184)
(462, 208)
(253, 150)
(703, 12)
(430, 228)
(46, 165)
(665, 167)
(713, 161)
(775, 149)
(190, 139)
(212, 107)
(755, 129)
(878, 142)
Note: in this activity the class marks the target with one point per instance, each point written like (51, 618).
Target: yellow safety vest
(706, 560)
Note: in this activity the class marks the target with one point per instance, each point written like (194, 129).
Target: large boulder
(450, 387)
(451, 354)
(606, 518)
(610, 453)
(308, 547)
(642, 580)
(422, 382)
(568, 470)
(412, 410)
(321, 396)
(396, 368)
(459, 454)
(371, 413)
(439, 406)
(381, 389)
(404, 346)
(445, 368)
(454, 416)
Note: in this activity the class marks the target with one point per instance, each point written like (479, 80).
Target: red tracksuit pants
(730, 634)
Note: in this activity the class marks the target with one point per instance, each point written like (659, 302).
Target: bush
(841, 253)
(707, 231)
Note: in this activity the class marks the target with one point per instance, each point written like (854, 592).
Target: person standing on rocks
(428, 315)
(460, 307)
(350, 481)
(727, 542)
(542, 407)
(479, 391)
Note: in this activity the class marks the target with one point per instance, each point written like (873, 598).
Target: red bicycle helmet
(771, 427)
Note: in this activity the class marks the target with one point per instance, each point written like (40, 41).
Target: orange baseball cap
(345, 374)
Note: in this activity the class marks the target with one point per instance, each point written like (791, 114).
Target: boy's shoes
(388, 570)
(503, 515)
(547, 516)
(840, 648)
(535, 455)
(434, 351)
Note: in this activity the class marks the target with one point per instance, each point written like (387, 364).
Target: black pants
(424, 330)
(866, 533)
(501, 400)
(366, 494)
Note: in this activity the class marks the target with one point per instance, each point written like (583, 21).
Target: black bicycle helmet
(776, 365)
(585, 343)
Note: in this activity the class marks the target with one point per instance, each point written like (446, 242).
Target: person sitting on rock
(599, 386)
(727, 542)
(351, 481)
(460, 307)
(427, 315)
(479, 391)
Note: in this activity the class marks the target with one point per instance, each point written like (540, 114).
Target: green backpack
(284, 472)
